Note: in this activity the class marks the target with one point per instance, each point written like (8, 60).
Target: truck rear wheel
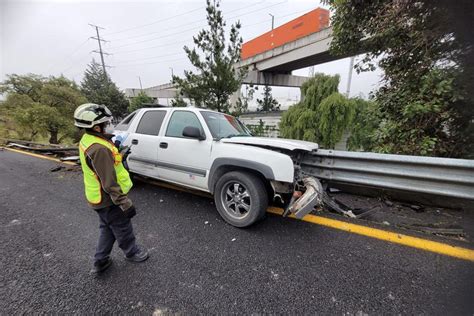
(241, 198)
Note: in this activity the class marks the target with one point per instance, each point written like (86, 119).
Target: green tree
(139, 101)
(21, 112)
(178, 101)
(99, 88)
(426, 98)
(322, 116)
(242, 104)
(257, 129)
(268, 103)
(365, 124)
(30, 85)
(215, 78)
(334, 115)
(41, 106)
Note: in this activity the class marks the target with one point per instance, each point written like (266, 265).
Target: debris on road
(75, 159)
(416, 208)
(57, 168)
(433, 229)
(14, 222)
(452, 223)
(64, 153)
(43, 148)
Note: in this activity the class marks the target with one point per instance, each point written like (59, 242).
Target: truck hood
(288, 144)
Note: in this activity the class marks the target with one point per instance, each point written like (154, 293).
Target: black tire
(257, 200)
(133, 176)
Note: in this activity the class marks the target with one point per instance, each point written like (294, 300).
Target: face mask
(109, 129)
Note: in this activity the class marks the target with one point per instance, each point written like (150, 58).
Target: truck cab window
(125, 123)
(151, 122)
(179, 120)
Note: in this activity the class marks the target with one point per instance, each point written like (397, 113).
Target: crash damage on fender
(306, 192)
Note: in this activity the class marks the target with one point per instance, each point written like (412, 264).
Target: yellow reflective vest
(91, 181)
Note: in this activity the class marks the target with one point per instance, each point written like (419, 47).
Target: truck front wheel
(241, 198)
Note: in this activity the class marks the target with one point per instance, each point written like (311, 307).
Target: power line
(189, 23)
(276, 16)
(159, 32)
(253, 5)
(156, 38)
(73, 52)
(195, 28)
(154, 63)
(263, 8)
(170, 18)
(75, 64)
(146, 48)
(158, 21)
(154, 57)
(187, 41)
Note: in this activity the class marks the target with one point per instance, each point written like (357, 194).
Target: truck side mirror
(193, 132)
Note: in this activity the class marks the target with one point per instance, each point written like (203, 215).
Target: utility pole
(311, 71)
(273, 19)
(100, 51)
(349, 79)
(140, 80)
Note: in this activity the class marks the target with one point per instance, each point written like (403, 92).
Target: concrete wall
(271, 119)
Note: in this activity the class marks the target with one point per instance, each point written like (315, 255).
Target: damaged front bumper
(311, 198)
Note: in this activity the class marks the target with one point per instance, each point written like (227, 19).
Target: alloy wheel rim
(236, 199)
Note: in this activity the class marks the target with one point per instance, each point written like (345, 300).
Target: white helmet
(89, 114)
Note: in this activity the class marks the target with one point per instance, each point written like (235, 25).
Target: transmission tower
(100, 51)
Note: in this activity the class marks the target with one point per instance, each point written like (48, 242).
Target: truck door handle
(134, 141)
(164, 145)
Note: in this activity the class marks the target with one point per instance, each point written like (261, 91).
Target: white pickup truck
(214, 152)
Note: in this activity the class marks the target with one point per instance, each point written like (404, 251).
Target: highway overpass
(272, 67)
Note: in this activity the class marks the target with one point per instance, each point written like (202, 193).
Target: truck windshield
(224, 125)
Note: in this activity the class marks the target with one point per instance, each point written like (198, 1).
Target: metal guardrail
(437, 176)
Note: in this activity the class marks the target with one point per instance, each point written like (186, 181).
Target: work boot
(140, 256)
(101, 266)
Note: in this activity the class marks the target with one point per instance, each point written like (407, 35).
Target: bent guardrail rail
(437, 176)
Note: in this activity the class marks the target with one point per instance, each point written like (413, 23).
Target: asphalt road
(199, 264)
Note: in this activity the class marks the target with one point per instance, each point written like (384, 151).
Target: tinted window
(179, 120)
(122, 126)
(150, 123)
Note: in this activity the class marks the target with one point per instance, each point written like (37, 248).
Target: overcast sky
(146, 38)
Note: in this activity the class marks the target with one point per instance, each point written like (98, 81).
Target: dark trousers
(114, 226)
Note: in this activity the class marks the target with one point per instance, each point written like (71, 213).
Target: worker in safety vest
(106, 183)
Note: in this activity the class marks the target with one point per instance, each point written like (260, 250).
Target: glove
(130, 212)
(125, 151)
